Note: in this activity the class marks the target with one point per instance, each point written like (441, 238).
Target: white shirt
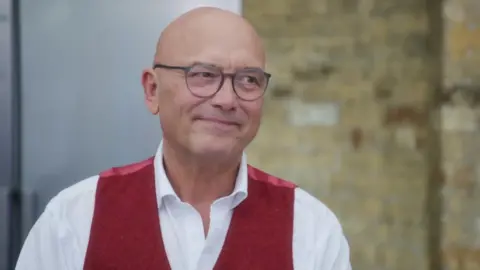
(59, 238)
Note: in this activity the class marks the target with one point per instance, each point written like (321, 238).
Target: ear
(150, 88)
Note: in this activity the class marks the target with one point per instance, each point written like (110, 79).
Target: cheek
(177, 106)
(254, 113)
(169, 109)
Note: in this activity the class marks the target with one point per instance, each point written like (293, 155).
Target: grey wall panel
(7, 126)
(82, 100)
(6, 93)
(4, 227)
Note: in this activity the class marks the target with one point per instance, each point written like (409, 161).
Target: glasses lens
(203, 80)
(250, 84)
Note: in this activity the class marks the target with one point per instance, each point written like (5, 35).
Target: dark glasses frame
(187, 69)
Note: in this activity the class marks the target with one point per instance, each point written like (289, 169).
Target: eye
(207, 74)
(203, 74)
(248, 80)
(251, 79)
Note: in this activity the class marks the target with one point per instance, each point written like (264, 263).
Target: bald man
(195, 205)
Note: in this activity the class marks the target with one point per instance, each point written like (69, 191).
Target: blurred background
(373, 108)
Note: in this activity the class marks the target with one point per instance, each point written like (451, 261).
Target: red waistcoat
(125, 232)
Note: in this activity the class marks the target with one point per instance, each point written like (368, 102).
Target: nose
(225, 99)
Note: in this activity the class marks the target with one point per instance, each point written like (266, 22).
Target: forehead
(221, 52)
(226, 61)
(229, 45)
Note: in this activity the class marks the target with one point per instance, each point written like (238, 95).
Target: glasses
(205, 80)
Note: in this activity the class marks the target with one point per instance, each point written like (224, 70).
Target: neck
(198, 180)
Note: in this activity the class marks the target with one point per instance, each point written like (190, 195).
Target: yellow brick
(266, 7)
(461, 39)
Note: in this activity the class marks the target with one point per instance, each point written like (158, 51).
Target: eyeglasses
(205, 80)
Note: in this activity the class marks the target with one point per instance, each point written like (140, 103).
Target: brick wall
(460, 132)
(355, 114)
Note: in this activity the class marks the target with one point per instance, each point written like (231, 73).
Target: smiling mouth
(219, 124)
(223, 122)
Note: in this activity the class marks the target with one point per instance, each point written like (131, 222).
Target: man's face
(218, 125)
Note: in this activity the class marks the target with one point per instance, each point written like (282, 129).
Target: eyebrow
(217, 66)
(205, 64)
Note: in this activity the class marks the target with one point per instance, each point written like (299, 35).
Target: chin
(214, 146)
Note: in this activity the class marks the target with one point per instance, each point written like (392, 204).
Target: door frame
(10, 199)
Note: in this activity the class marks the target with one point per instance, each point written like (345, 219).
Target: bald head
(202, 112)
(210, 33)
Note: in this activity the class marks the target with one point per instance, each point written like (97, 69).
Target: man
(196, 204)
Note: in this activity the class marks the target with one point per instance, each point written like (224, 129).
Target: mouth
(219, 124)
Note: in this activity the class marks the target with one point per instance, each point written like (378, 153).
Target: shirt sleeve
(42, 250)
(336, 252)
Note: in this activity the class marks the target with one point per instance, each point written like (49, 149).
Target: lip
(217, 121)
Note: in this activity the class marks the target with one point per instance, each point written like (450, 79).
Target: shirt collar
(164, 189)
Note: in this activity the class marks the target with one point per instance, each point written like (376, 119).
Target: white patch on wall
(313, 114)
(477, 233)
(454, 11)
(406, 137)
(458, 119)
